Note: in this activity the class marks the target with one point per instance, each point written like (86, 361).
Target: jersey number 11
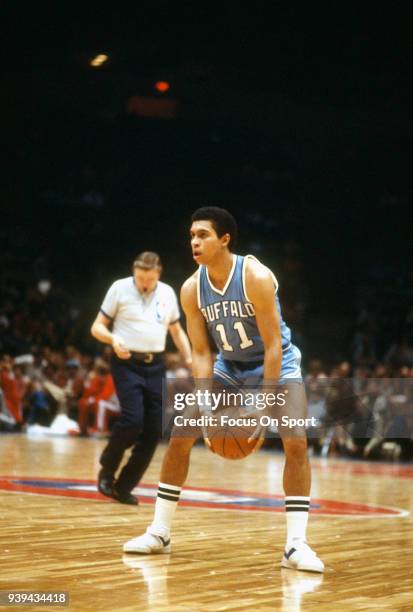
(238, 326)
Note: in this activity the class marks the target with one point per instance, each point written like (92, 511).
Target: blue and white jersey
(230, 315)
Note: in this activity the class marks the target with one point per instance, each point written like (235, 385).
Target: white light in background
(99, 60)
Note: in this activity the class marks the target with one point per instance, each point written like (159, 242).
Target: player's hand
(205, 436)
(258, 434)
(120, 349)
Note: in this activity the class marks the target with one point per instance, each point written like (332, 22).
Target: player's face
(205, 243)
(146, 280)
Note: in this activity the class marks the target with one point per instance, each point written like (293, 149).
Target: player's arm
(100, 330)
(260, 290)
(181, 342)
(202, 364)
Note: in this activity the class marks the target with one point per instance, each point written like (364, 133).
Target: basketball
(235, 435)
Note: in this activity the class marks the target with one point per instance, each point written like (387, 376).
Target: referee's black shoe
(124, 497)
(105, 483)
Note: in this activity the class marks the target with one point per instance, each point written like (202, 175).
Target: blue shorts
(245, 376)
(252, 373)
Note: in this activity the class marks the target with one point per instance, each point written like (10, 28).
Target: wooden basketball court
(226, 544)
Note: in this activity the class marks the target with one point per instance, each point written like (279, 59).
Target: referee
(135, 317)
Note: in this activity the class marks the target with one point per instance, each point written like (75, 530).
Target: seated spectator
(38, 405)
(98, 386)
(359, 431)
(105, 409)
(75, 376)
(11, 392)
(7, 422)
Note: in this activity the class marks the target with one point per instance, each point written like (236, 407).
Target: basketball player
(252, 339)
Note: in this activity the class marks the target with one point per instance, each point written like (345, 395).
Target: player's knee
(180, 446)
(295, 448)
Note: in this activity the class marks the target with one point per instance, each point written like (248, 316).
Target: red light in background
(162, 86)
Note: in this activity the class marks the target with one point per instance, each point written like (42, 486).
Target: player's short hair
(222, 220)
(148, 260)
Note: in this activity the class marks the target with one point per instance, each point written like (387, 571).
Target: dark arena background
(117, 124)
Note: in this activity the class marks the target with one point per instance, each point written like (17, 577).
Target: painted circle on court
(197, 497)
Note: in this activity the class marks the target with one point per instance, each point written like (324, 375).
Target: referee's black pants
(139, 389)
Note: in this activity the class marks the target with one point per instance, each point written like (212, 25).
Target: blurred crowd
(361, 411)
(39, 389)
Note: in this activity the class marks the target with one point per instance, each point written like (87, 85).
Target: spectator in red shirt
(98, 386)
(11, 391)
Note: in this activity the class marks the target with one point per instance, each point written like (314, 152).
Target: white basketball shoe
(298, 555)
(148, 544)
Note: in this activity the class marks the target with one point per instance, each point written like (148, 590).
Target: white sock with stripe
(165, 506)
(296, 508)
